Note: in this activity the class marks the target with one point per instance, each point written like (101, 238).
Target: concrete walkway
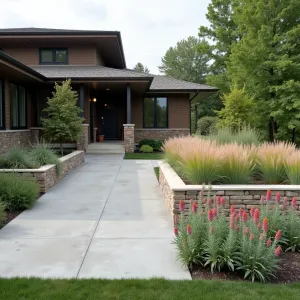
(107, 219)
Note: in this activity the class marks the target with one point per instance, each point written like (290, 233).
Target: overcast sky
(148, 28)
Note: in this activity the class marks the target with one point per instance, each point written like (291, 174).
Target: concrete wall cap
(128, 125)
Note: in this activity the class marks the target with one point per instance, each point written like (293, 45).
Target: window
(18, 107)
(53, 56)
(2, 119)
(156, 112)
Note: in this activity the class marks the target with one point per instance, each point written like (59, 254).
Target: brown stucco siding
(82, 55)
(27, 56)
(137, 110)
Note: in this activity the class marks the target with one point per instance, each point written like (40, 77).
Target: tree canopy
(139, 67)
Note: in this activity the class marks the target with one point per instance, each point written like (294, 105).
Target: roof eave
(182, 90)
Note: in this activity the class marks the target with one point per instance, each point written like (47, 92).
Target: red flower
(246, 231)
(210, 215)
(262, 199)
(237, 218)
(262, 237)
(252, 211)
(278, 235)
(294, 203)
(237, 228)
(277, 251)
(194, 207)
(231, 222)
(285, 202)
(211, 229)
(232, 210)
(188, 229)
(222, 201)
(181, 205)
(218, 200)
(241, 212)
(268, 195)
(176, 231)
(251, 238)
(244, 217)
(256, 215)
(265, 224)
(269, 243)
(277, 198)
(215, 212)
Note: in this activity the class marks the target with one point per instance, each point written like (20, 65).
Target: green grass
(156, 170)
(158, 289)
(155, 155)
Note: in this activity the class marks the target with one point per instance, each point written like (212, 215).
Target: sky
(148, 28)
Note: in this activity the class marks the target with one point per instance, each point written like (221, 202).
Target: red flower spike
(268, 195)
(215, 212)
(265, 224)
(218, 200)
(237, 228)
(277, 198)
(176, 231)
(181, 205)
(210, 215)
(188, 229)
(241, 212)
(232, 210)
(262, 199)
(256, 215)
(278, 235)
(294, 205)
(251, 238)
(194, 207)
(277, 251)
(252, 211)
(285, 203)
(244, 217)
(222, 201)
(262, 237)
(211, 229)
(231, 222)
(237, 218)
(269, 243)
(258, 226)
(246, 231)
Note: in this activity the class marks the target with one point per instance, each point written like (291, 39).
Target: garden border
(46, 176)
(241, 196)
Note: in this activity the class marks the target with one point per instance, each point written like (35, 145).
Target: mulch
(289, 271)
(9, 217)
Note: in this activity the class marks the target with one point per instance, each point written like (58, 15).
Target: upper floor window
(18, 107)
(53, 56)
(156, 112)
(2, 119)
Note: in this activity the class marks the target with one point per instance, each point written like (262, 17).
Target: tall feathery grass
(207, 161)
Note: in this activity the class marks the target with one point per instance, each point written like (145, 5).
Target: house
(117, 102)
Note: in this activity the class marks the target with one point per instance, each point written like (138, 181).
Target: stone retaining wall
(14, 138)
(47, 176)
(159, 134)
(241, 196)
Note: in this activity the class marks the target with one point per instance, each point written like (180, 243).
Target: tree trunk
(293, 135)
(271, 129)
(61, 149)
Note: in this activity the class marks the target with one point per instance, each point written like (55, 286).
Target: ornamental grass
(249, 243)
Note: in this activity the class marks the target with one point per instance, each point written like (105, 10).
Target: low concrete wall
(159, 134)
(46, 176)
(244, 196)
(14, 138)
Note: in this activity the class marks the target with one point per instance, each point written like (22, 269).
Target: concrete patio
(107, 219)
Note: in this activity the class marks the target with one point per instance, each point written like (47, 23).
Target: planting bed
(9, 216)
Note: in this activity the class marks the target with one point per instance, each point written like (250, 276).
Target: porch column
(81, 100)
(128, 104)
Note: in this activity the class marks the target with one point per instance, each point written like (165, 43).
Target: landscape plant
(18, 158)
(2, 211)
(146, 149)
(292, 168)
(155, 144)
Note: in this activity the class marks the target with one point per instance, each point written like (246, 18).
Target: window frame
(18, 110)
(155, 112)
(54, 62)
(2, 126)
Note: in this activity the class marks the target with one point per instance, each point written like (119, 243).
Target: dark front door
(109, 120)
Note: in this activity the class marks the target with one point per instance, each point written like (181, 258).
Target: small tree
(63, 121)
(139, 67)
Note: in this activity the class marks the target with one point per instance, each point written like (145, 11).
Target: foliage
(292, 168)
(239, 109)
(271, 160)
(18, 192)
(139, 67)
(207, 125)
(43, 154)
(207, 237)
(2, 211)
(138, 155)
(63, 121)
(155, 144)
(18, 158)
(184, 62)
(146, 149)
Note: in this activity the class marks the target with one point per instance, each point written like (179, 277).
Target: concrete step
(104, 151)
(115, 147)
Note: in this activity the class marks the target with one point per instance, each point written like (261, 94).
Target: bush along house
(117, 102)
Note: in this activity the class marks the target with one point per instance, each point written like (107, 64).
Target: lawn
(156, 170)
(155, 155)
(38, 289)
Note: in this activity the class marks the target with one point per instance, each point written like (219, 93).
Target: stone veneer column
(95, 134)
(35, 135)
(129, 137)
(83, 141)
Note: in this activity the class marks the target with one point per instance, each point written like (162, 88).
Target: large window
(18, 107)
(156, 112)
(53, 56)
(2, 119)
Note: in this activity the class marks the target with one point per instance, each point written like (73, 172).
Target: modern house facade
(117, 102)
